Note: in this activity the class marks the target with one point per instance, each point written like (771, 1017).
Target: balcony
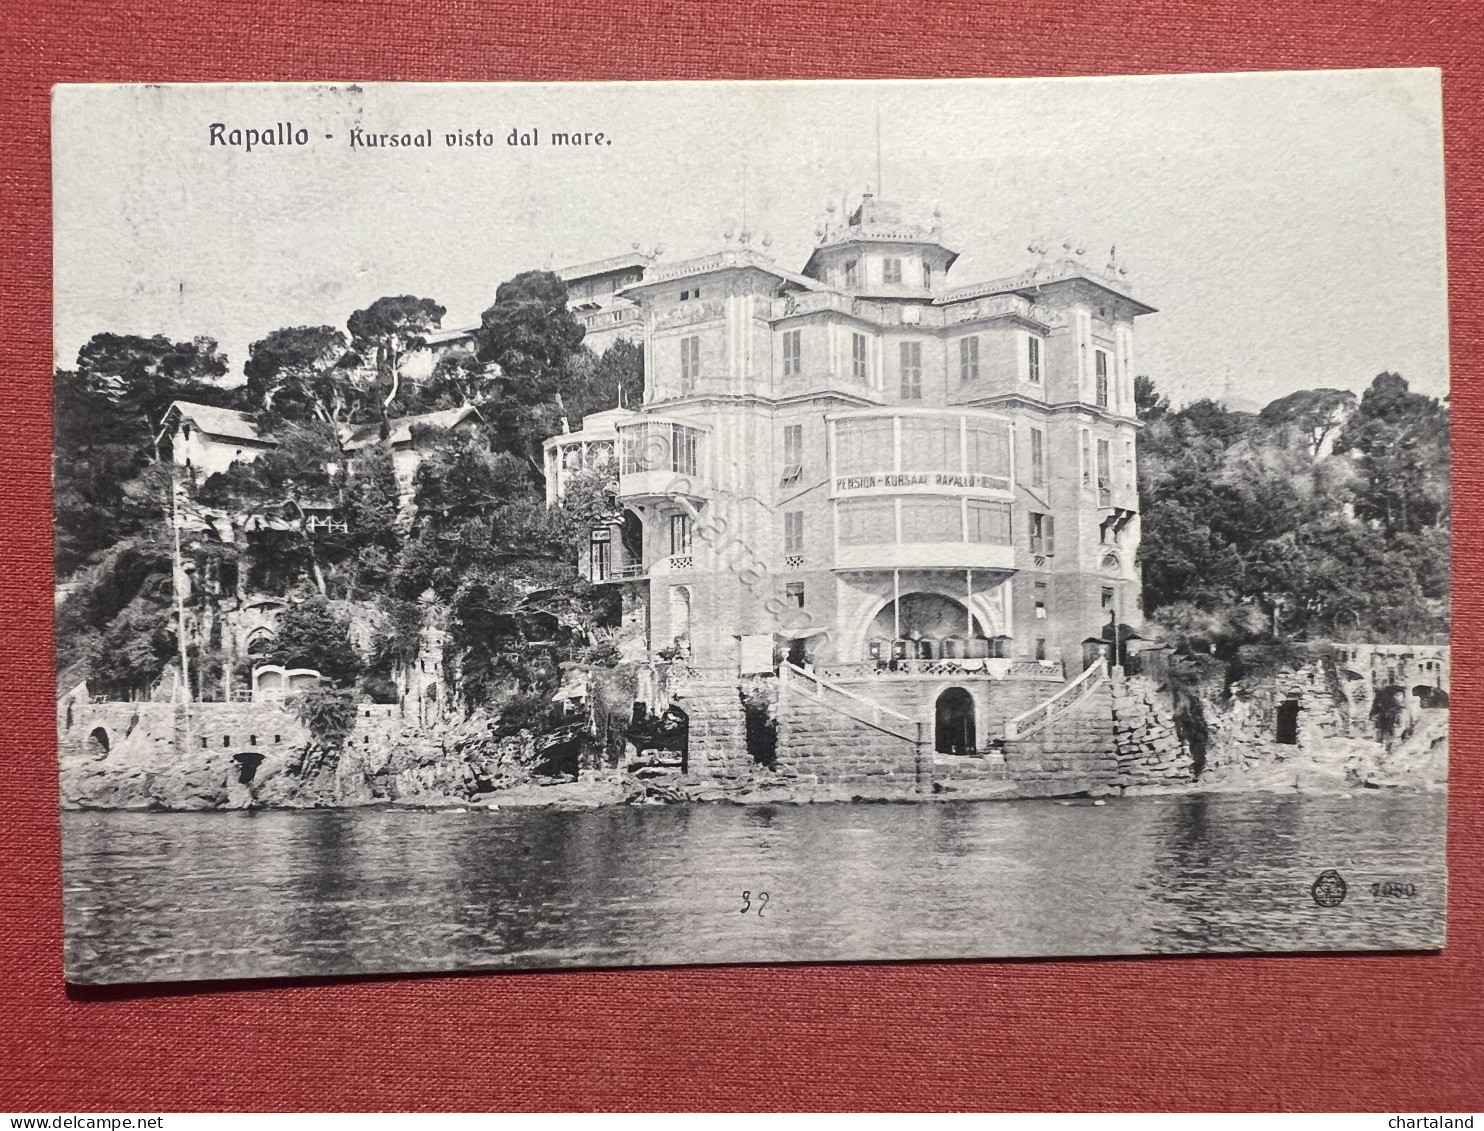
(675, 563)
(601, 574)
(660, 459)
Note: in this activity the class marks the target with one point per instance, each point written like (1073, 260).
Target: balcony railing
(991, 668)
(1030, 722)
(619, 573)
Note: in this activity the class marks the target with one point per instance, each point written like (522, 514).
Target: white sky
(1288, 226)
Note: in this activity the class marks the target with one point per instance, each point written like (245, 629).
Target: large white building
(871, 470)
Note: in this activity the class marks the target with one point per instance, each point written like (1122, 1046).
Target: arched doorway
(1428, 696)
(98, 742)
(953, 730)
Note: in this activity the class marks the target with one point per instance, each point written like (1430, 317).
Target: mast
(177, 573)
(880, 192)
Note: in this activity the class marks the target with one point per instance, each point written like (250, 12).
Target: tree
(311, 635)
(531, 336)
(1316, 413)
(299, 373)
(458, 378)
(279, 485)
(1400, 442)
(1149, 405)
(144, 376)
(1248, 533)
(108, 418)
(370, 508)
(594, 383)
(383, 333)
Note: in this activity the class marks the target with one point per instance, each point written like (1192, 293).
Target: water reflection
(225, 895)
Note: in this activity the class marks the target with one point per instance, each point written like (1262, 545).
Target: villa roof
(614, 263)
(225, 422)
(399, 428)
(1029, 282)
(730, 259)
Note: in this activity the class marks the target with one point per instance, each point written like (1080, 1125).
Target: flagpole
(177, 575)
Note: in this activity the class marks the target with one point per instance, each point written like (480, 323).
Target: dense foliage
(325, 526)
(1324, 516)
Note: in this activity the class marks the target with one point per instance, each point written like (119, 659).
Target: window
(867, 522)
(1105, 474)
(858, 368)
(793, 454)
(680, 534)
(1043, 534)
(1040, 596)
(1033, 346)
(656, 447)
(690, 363)
(989, 522)
(1107, 596)
(912, 371)
(929, 444)
(1040, 648)
(1101, 365)
(600, 557)
(793, 352)
(968, 359)
(932, 520)
(1086, 460)
(891, 270)
(852, 273)
(927, 277)
(864, 446)
(989, 449)
(685, 296)
(793, 593)
(793, 532)
(1038, 458)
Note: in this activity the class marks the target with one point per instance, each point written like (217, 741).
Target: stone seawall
(1150, 753)
(819, 744)
(143, 755)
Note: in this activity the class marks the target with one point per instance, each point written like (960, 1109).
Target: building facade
(863, 468)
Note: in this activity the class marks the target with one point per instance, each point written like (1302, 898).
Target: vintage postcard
(602, 524)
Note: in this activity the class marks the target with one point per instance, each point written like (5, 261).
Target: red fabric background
(1387, 1032)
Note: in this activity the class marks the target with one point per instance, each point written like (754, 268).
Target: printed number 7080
(1393, 889)
(762, 901)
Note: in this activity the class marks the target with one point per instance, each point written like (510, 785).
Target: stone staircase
(831, 735)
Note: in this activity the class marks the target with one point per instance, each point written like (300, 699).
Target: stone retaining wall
(820, 744)
(1149, 749)
(718, 729)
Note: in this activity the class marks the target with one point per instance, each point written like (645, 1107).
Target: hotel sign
(919, 480)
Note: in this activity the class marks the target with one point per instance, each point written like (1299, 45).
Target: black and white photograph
(624, 524)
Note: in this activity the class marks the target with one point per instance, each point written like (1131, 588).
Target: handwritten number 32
(762, 901)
